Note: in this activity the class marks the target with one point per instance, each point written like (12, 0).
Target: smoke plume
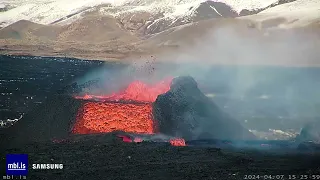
(259, 76)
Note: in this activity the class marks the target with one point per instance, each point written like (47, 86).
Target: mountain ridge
(141, 30)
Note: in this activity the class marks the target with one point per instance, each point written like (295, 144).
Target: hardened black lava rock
(50, 120)
(184, 111)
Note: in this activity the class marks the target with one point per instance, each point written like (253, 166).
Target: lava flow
(129, 111)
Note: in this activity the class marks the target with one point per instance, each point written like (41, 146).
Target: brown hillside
(96, 29)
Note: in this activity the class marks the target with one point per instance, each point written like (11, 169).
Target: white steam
(258, 76)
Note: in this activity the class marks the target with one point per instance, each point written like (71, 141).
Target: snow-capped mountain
(153, 17)
(150, 13)
(117, 29)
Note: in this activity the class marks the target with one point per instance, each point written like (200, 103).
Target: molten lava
(109, 114)
(98, 117)
(137, 91)
(177, 142)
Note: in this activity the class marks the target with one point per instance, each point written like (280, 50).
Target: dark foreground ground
(118, 160)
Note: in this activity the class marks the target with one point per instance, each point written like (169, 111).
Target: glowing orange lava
(99, 117)
(177, 142)
(133, 117)
(137, 91)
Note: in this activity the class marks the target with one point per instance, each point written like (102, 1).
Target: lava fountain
(128, 111)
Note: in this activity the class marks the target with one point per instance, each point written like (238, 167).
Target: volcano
(175, 108)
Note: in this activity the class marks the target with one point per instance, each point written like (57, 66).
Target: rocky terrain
(115, 160)
(136, 30)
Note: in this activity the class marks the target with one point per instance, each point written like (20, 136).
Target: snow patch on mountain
(297, 13)
(182, 6)
(169, 8)
(239, 5)
(45, 12)
(295, 6)
(175, 8)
